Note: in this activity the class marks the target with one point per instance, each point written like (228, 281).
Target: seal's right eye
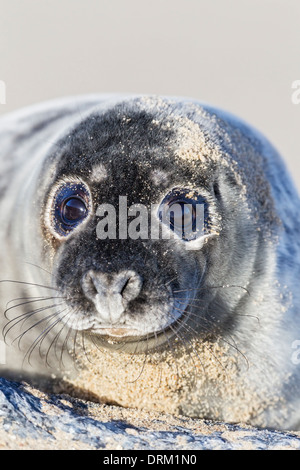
(180, 211)
(71, 206)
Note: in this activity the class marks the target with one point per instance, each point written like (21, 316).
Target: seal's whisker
(249, 316)
(27, 319)
(29, 284)
(180, 299)
(238, 350)
(221, 336)
(96, 344)
(193, 314)
(171, 348)
(184, 340)
(40, 299)
(203, 301)
(65, 344)
(76, 332)
(160, 371)
(132, 355)
(195, 317)
(190, 314)
(166, 269)
(193, 332)
(169, 282)
(189, 304)
(122, 347)
(84, 348)
(214, 287)
(74, 349)
(92, 338)
(19, 338)
(143, 365)
(25, 298)
(54, 341)
(41, 336)
(25, 316)
(41, 343)
(39, 267)
(190, 330)
(159, 382)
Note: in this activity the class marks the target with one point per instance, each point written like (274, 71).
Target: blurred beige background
(241, 55)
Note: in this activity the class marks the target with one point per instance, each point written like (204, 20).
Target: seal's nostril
(129, 285)
(124, 287)
(89, 285)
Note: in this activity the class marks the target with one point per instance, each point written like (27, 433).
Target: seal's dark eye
(184, 211)
(71, 207)
(180, 214)
(74, 210)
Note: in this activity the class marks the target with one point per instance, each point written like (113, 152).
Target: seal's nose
(111, 293)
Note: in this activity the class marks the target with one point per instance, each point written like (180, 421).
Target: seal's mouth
(115, 334)
(133, 329)
(135, 340)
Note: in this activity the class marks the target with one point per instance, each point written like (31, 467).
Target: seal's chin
(130, 340)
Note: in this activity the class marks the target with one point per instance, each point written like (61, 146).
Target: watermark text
(296, 93)
(296, 354)
(181, 220)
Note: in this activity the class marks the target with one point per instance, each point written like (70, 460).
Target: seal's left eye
(72, 203)
(74, 210)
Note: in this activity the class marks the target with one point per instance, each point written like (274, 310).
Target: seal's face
(121, 280)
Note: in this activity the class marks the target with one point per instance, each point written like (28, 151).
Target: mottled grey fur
(242, 282)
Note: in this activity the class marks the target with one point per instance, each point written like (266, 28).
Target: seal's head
(148, 218)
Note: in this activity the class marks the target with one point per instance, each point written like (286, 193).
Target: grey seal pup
(199, 323)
